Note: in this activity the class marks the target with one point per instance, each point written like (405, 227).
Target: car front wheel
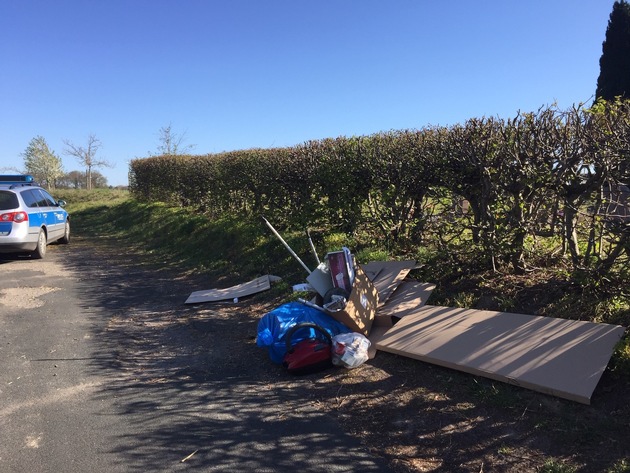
(40, 250)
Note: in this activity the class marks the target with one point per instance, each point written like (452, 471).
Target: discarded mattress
(564, 358)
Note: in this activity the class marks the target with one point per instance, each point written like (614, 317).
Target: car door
(57, 216)
(48, 208)
(35, 218)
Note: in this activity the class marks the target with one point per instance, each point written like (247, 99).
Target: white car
(30, 218)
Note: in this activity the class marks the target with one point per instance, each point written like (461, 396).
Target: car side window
(30, 198)
(50, 201)
(41, 198)
(8, 201)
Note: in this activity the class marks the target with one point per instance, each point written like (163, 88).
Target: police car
(30, 218)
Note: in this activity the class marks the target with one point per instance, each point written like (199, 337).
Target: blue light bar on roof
(16, 178)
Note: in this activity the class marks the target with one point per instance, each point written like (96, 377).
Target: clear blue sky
(238, 74)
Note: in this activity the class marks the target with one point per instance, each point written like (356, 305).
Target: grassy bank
(226, 249)
(232, 250)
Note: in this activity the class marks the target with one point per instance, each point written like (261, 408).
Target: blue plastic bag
(274, 325)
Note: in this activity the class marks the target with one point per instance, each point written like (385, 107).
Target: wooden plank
(241, 290)
(564, 358)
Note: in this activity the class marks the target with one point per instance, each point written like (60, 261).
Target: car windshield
(8, 201)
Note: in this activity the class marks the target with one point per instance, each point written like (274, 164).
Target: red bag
(308, 356)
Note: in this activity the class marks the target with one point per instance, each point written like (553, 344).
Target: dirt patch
(24, 297)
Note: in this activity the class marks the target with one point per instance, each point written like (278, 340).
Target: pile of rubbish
(329, 329)
(355, 309)
(332, 327)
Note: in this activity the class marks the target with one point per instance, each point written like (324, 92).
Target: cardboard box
(358, 314)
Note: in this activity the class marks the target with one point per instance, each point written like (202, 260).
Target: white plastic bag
(350, 349)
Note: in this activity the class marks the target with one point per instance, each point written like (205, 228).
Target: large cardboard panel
(376, 335)
(387, 276)
(241, 290)
(564, 358)
(358, 314)
(406, 298)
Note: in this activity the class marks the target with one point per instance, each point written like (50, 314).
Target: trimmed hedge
(484, 189)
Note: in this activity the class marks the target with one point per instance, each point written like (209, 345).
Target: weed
(505, 450)
(622, 466)
(552, 465)
(465, 300)
(491, 393)
(620, 361)
(506, 304)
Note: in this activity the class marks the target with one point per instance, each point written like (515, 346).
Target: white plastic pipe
(287, 246)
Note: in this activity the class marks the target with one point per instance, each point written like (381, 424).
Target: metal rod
(308, 234)
(310, 304)
(286, 245)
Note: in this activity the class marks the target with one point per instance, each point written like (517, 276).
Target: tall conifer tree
(614, 64)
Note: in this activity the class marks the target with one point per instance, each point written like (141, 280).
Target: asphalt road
(103, 369)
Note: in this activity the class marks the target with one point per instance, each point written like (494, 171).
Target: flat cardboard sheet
(376, 335)
(408, 298)
(241, 290)
(564, 358)
(387, 275)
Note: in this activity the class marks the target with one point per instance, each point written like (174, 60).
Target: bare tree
(171, 143)
(87, 156)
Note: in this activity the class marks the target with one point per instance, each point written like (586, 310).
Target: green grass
(231, 247)
(80, 199)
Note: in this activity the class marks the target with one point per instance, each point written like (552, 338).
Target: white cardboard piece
(320, 279)
(260, 284)
(564, 358)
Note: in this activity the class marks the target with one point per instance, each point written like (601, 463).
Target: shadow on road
(195, 391)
